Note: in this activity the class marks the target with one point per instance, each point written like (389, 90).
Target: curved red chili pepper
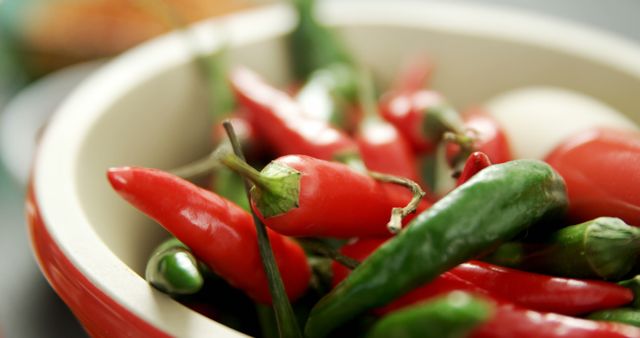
(530, 290)
(279, 119)
(333, 201)
(409, 111)
(544, 293)
(601, 168)
(219, 233)
(475, 162)
(384, 149)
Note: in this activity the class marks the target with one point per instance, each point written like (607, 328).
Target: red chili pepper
(510, 321)
(382, 147)
(298, 195)
(544, 293)
(475, 162)
(601, 168)
(279, 119)
(421, 116)
(385, 150)
(219, 233)
(530, 290)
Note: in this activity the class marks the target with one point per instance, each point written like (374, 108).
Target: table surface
(29, 307)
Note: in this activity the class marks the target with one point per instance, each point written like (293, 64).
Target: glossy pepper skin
(219, 233)
(523, 192)
(331, 200)
(511, 321)
(475, 162)
(625, 315)
(529, 290)
(280, 120)
(602, 171)
(451, 315)
(173, 269)
(604, 247)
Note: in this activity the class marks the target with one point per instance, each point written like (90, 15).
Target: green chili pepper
(311, 44)
(450, 316)
(605, 247)
(173, 269)
(624, 315)
(495, 205)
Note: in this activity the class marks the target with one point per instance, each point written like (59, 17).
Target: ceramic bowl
(147, 107)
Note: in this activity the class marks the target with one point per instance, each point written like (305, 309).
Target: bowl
(147, 107)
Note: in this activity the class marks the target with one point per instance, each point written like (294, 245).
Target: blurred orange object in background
(51, 34)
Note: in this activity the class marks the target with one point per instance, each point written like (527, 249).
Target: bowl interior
(161, 119)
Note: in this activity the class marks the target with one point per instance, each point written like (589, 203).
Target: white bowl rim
(54, 170)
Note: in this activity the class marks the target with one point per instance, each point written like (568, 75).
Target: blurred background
(48, 46)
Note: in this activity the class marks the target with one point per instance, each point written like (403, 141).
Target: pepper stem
(285, 318)
(198, 167)
(397, 214)
(465, 140)
(276, 189)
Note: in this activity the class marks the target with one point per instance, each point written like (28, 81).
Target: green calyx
(611, 246)
(604, 247)
(281, 193)
(173, 269)
(276, 188)
(449, 316)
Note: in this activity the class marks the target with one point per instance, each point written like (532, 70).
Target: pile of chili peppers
(378, 215)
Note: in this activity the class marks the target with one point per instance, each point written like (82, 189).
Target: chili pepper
(312, 45)
(219, 233)
(602, 171)
(475, 162)
(625, 315)
(298, 195)
(422, 117)
(382, 147)
(511, 321)
(529, 290)
(605, 248)
(446, 282)
(457, 228)
(451, 315)
(280, 120)
(172, 269)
